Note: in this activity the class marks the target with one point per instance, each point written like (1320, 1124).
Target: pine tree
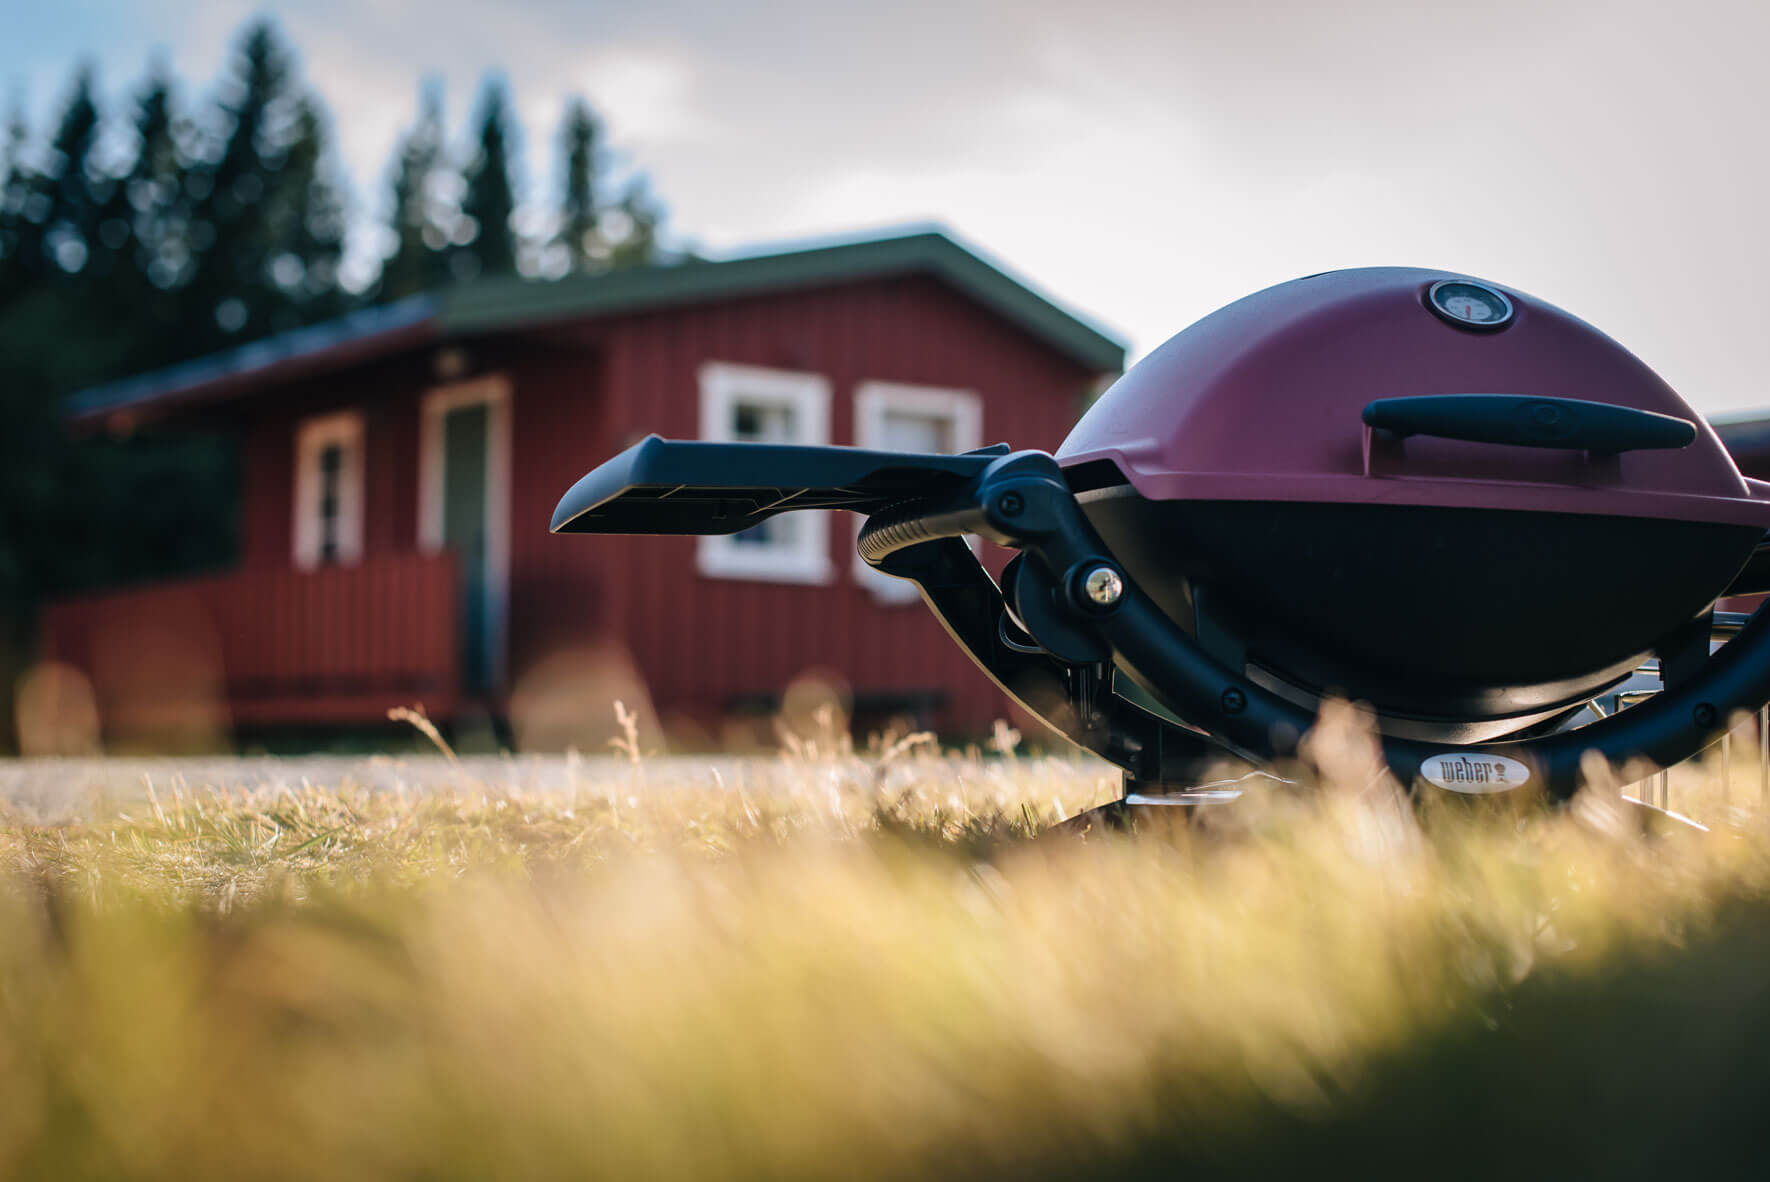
(118, 262)
(640, 218)
(142, 257)
(19, 246)
(490, 199)
(233, 296)
(306, 224)
(55, 333)
(579, 231)
(155, 187)
(421, 229)
(112, 287)
(71, 213)
(110, 249)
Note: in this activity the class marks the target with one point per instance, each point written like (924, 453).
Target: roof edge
(493, 305)
(366, 332)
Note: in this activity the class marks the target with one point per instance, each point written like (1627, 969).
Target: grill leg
(1764, 755)
(1727, 768)
(1170, 803)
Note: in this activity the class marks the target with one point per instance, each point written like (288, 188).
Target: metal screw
(1103, 585)
(1234, 701)
(1705, 714)
(1010, 504)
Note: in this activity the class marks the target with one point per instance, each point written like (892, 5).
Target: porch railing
(337, 645)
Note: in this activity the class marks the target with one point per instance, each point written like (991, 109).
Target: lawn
(863, 964)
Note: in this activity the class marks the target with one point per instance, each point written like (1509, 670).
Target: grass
(866, 966)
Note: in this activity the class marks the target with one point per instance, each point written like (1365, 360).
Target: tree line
(202, 229)
(137, 239)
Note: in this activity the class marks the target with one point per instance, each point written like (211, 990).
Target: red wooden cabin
(400, 466)
(1747, 438)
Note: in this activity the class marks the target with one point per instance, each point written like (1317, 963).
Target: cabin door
(466, 495)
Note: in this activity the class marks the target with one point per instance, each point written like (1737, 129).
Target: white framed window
(749, 404)
(890, 416)
(329, 490)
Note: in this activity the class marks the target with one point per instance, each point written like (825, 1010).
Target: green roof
(504, 303)
(493, 305)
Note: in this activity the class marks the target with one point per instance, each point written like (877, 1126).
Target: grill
(1439, 496)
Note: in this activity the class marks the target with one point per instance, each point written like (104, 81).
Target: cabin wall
(559, 593)
(590, 618)
(387, 395)
(700, 643)
(1755, 464)
(555, 412)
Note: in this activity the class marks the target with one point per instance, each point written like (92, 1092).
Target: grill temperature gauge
(1469, 305)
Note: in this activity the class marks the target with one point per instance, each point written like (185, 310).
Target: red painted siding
(700, 642)
(387, 395)
(579, 393)
(262, 646)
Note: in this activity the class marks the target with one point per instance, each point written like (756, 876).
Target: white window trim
(314, 435)
(721, 556)
(872, 402)
(494, 392)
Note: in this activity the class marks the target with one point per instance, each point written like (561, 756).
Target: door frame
(494, 392)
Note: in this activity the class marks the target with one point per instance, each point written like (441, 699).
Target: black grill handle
(1525, 421)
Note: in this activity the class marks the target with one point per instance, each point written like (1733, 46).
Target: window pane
(776, 531)
(766, 422)
(329, 510)
(756, 535)
(763, 422)
(908, 431)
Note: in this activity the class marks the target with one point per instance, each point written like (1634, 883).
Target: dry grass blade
(858, 965)
(420, 721)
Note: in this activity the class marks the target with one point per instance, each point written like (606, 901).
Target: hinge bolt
(1103, 585)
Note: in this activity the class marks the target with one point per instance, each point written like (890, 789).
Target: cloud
(647, 96)
(1146, 161)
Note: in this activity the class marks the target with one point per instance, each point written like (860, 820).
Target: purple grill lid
(1263, 401)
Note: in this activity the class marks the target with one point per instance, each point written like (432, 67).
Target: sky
(1142, 163)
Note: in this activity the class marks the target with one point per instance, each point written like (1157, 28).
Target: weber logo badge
(1474, 773)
